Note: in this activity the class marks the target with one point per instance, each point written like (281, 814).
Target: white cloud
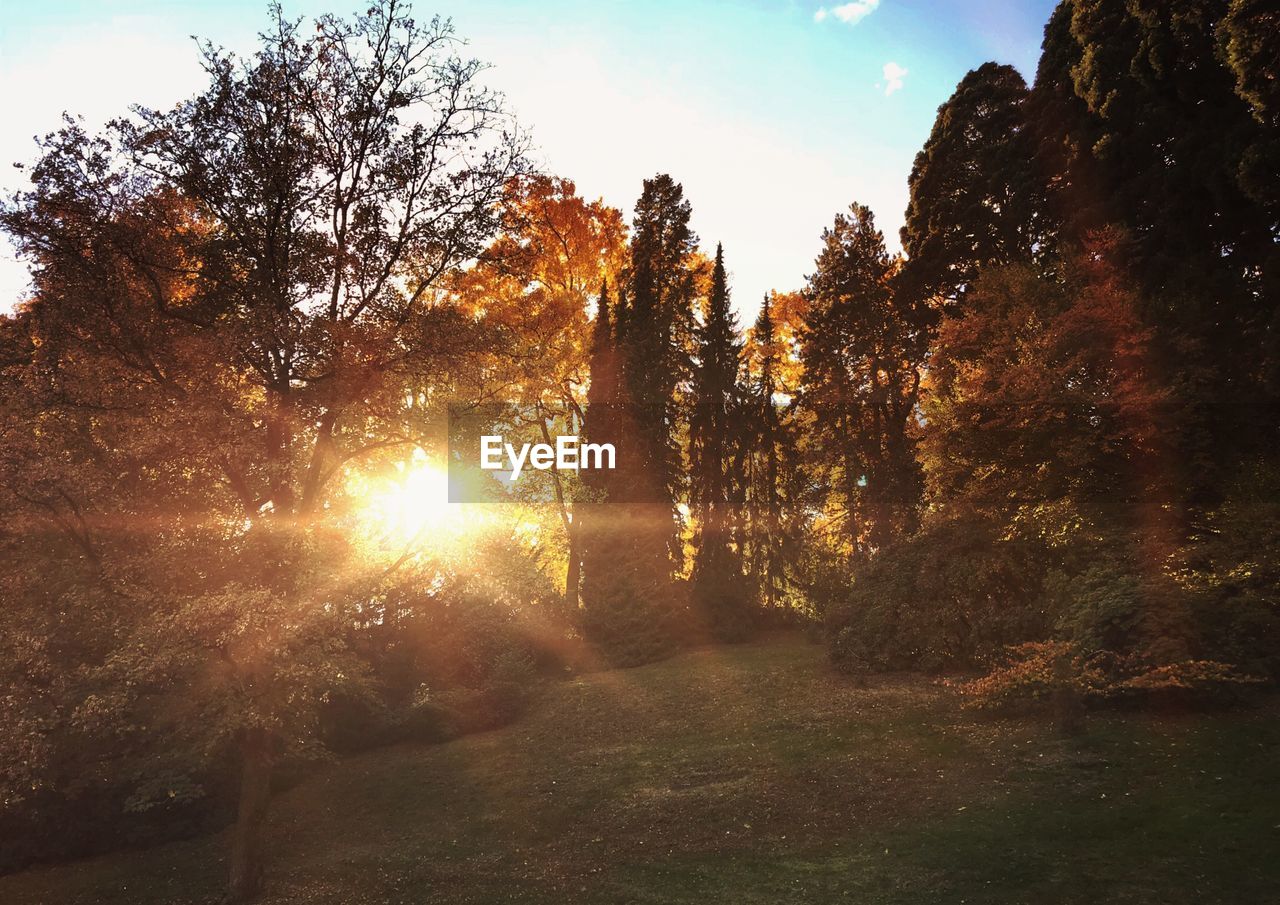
(850, 13)
(893, 77)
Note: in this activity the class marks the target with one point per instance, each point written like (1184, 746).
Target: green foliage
(719, 591)
(976, 195)
(861, 348)
(1232, 567)
(1249, 44)
(1097, 609)
(951, 596)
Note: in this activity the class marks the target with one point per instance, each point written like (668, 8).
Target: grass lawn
(750, 775)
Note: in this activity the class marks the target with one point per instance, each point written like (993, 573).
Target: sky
(773, 114)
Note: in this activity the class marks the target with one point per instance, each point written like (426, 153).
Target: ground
(753, 775)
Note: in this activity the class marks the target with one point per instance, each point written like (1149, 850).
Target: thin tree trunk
(570, 529)
(573, 571)
(255, 791)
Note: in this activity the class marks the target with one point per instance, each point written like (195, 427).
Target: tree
(655, 333)
(770, 500)
(532, 285)
(1043, 409)
(1049, 430)
(975, 195)
(1158, 137)
(861, 349)
(246, 285)
(1248, 42)
(716, 456)
(630, 605)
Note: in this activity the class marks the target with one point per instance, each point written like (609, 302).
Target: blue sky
(775, 114)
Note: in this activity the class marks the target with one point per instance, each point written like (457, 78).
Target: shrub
(949, 597)
(1050, 675)
(1034, 675)
(1192, 682)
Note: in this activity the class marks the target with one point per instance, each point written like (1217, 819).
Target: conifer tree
(631, 605)
(974, 189)
(861, 349)
(602, 392)
(625, 570)
(1158, 117)
(767, 542)
(600, 426)
(655, 335)
(719, 592)
(629, 600)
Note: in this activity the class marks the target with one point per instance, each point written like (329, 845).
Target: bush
(1051, 675)
(1234, 566)
(1036, 675)
(949, 597)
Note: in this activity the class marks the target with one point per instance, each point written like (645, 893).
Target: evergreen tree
(768, 543)
(974, 189)
(625, 579)
(861, 348)
(1249, 40)
(631, 605)
(655, 335)
(1159, 132)
(600, 426)
(719, 592)
(602, 392)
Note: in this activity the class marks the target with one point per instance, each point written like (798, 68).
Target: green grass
(754, 775)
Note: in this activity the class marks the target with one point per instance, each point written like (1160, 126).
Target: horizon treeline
(1040, 444)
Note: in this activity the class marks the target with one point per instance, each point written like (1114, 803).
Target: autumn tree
(533, 287)
(1050, 426)
(251, 278)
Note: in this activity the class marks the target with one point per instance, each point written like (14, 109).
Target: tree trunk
(570, 531)
(255, 791)
(573, 571)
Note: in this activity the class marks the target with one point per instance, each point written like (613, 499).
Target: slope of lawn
(754, 775)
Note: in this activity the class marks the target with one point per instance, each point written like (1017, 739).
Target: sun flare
(410, 505)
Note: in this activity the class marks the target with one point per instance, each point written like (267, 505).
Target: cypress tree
(719, 592)
(768, 545)
(630, 602)
(656, 335)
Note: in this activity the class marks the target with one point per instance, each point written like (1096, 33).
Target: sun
(409, 505)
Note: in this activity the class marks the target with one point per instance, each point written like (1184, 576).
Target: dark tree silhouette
(861, 349)
(715, 466)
